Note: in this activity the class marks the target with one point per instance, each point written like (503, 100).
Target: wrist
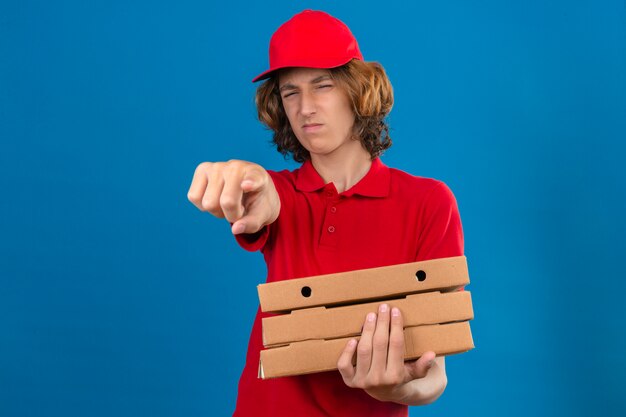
(423, 391)
(396, 394)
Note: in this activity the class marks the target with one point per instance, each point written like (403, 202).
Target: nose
(307, 104)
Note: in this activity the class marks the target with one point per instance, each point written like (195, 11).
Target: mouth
(311, 127)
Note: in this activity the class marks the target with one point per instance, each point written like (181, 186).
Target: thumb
(247, 224)
(420, 368)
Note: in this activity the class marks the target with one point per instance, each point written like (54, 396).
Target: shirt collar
(374, 184)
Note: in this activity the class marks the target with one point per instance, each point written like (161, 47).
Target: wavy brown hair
(370, 93)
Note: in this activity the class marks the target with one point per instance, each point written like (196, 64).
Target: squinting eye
(325, 85)
(289, 94)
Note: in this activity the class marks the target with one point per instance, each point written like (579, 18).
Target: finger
(211, 199)
(344, 364)
(254, 217)
(420, 368)
(252, 182)
(249, 223)
(364, 349)
(231, 199)
(381, 340)
(395, 361)
(198, 184)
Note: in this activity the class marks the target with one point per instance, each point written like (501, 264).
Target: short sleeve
(253, 242)
(440, 230)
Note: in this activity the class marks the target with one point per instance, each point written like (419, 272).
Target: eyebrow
(289, 86)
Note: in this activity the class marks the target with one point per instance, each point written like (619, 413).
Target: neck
(344, 171)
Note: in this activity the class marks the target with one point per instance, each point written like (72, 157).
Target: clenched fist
(240, 191)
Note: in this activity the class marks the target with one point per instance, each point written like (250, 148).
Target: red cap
(311, 39)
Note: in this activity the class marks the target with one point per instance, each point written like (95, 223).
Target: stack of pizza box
(319, 315)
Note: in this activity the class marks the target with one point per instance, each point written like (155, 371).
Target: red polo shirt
(389, 217)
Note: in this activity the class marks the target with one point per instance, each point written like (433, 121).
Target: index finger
(344, 363)
(253, 180)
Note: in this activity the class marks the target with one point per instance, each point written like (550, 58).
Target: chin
(320, 148)
(317, 148)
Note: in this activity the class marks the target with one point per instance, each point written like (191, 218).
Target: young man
(343, 209)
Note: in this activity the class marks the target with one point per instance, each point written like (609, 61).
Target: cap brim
(264, 75)
(331, 63)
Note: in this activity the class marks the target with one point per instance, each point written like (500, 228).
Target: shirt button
(331, 229)
(333, 209)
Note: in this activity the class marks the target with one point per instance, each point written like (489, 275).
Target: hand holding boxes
(323, 312)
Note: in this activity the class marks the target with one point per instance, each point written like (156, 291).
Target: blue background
(119, 298)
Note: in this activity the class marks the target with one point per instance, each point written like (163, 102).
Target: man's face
(318, 110)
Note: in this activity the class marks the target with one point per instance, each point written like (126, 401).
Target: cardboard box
(321, 355)
(445, 274)
(345, 321)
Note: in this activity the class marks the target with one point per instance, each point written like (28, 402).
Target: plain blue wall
(119, 298)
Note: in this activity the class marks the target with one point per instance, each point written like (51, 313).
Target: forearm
(425, 390)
